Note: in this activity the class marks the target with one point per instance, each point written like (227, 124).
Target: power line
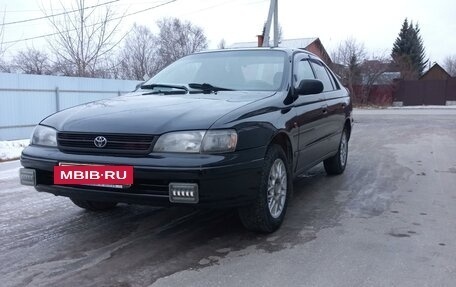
(31, 38)
(144, 10)
(117, 5)
(58, 14)
(116, 18)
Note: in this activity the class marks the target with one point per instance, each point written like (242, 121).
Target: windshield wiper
(205, 87)
(153, 86)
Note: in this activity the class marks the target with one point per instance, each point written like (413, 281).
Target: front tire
(336, 164)
(94, 205)
(266, 214)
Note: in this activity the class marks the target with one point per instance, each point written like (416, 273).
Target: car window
(302, 70)
(252, 70)
(263, 72)
(333, 79)
(322, 75)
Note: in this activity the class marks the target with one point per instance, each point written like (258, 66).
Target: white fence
(26, 99)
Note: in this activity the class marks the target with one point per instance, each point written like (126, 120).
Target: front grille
(116, 143)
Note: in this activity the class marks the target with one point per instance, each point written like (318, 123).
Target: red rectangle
(93, 174)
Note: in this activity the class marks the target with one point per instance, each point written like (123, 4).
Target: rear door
(335, 103)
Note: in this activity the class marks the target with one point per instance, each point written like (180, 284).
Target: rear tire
(94, 205)
(266, 214)
(337, 163)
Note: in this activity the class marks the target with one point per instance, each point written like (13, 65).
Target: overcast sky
(374, 23)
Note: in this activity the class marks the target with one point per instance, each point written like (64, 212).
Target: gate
(426, 92)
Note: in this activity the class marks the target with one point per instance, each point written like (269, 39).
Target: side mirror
(309, 87)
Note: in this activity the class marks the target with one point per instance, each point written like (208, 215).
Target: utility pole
(273, 11)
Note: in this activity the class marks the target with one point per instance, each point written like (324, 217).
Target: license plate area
(87, 174)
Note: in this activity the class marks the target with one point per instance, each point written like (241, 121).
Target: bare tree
(371, 71)
(32, 61)
(4, 67)
(222, 44)
(177, 39)
(110, 67)
(449, 63)
(83, 38)
(347, 59)
(138, 56)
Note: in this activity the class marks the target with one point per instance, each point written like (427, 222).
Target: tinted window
(302, 71)
(323, 76)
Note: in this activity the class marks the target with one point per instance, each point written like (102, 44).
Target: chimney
(260, 40)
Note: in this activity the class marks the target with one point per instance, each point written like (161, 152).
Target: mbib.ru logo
(93, 174)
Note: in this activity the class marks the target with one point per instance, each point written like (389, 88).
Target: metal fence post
(57, 99)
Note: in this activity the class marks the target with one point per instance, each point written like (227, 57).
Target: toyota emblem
(100, 141)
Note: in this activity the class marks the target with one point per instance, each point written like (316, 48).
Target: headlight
(219, 141)
(216, 141)
(180, 142)
(45, 136)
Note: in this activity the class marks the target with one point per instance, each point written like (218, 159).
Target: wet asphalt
(389, 220)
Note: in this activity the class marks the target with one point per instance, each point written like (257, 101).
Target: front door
(310, 117)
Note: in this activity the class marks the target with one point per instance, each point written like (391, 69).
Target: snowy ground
(10, 150)
(423, 107)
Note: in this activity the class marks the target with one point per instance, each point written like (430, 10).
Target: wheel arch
(283, 140)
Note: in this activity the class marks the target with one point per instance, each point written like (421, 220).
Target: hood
(151, 114)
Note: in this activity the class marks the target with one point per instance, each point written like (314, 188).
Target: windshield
(252, 70)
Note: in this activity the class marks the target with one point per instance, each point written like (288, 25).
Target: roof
(438, 69)
(287, 50)
(385, 78)
(287, 43)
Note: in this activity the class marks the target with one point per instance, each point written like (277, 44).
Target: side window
(302, 70)
(333, 79)
(323, 76)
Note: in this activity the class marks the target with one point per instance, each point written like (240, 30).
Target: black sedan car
(228, 128)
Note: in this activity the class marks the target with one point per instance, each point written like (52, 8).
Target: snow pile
(12, 149)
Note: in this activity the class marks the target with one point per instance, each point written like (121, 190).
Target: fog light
(183, 192)
(27, 176)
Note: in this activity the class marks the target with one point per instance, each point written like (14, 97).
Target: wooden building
(436, 72)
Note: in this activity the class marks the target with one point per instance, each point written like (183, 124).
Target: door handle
(324, 109)
(343, 106)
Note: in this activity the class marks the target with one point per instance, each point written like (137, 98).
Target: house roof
(438, 68)
(286, 43)
(386, 78)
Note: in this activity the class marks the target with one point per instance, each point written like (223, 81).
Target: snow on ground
(12, 149)
(423, 107)
(9, 169)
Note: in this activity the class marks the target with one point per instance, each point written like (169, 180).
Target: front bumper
(223, 180)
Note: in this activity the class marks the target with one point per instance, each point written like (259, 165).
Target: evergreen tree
(418, 53)
(408, 51)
